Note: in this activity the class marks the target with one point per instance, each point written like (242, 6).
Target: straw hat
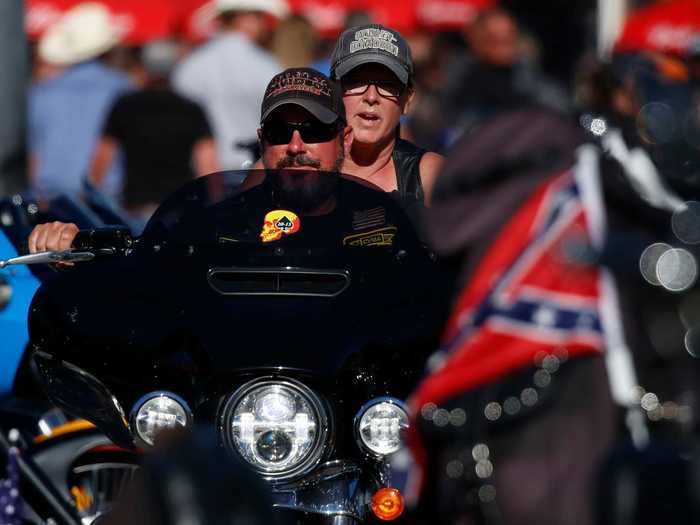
(277, 8)
(83, 32)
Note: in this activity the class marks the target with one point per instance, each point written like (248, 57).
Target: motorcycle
(296, 334)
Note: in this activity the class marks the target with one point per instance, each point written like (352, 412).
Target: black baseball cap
(305, 87)
(372, 44)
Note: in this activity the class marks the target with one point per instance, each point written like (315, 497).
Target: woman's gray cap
(372, 44)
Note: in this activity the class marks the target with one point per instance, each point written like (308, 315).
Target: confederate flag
(537, 290)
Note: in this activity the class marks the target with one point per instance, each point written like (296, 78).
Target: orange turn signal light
(387, 504)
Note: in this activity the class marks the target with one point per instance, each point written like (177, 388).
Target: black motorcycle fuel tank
(205, 294)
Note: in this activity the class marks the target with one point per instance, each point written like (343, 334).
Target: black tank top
(407, 157)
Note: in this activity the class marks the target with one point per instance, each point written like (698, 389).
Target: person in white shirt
(228, 75)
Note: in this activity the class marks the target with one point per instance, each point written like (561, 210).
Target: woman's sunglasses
(386, 88)
(278, 132)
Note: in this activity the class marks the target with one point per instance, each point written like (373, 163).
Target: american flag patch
(371, 218)
(10, 501)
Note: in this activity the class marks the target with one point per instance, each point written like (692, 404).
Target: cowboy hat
(277, 8)
(82, 33)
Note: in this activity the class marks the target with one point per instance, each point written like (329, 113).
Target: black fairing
(153, 320)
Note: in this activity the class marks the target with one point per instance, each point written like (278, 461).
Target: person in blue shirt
(67, 111)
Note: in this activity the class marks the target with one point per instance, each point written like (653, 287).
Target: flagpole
(610, 20)
(15, 69)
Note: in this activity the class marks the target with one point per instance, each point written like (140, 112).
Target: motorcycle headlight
(156, 412)
(278, 426)
(380, 426)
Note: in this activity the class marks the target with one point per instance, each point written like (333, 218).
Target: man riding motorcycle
(303, 126)
(179, 284)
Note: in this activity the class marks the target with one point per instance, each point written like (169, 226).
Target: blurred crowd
(136, 117)
(159, 108)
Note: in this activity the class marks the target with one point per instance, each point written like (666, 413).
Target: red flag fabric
(667, 27)
(529, 297)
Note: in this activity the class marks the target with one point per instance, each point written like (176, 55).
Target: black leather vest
(407, 157)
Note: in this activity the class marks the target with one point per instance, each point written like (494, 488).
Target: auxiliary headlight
(278, 426)
(156, 412)
(380, 425)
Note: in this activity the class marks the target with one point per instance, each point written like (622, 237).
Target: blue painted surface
(13, 318)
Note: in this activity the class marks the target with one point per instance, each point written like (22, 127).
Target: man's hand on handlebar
(52, 236)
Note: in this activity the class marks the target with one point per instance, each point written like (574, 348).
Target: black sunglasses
(391, 89)
(279, 132)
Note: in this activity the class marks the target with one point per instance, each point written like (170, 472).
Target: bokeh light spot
(649, 259)
(441, 417)
(529, 397)
(487, 493)
(586, 120)
(598, 127)
(656, 123)
(686, 223)
(480, 452)
(650, 401)
(511, 406)
(428, 410)
(458, 417)
(542, 379)
(483, 468)
(493, 411)
(677, 270)
(691, 341)
(551, 364)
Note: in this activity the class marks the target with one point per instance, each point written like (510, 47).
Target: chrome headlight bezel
(138, 438)
(364, 409)
(321, 413)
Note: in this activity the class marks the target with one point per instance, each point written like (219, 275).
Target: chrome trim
(323, 437)
(337, 488)
(275, 285)
(147, 397)
(361, 412)
(5, 292)
(323, 472)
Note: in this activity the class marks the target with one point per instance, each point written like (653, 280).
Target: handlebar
(48, 258)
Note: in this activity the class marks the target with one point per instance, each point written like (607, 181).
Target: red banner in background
(667, 27)
(327, 16)
(40, 14)
(138, 21)
(398, 16)
(407, 16)
(195, 19)
(449, 14)
(143, 20)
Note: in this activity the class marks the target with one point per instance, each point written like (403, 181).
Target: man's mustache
(290, 161)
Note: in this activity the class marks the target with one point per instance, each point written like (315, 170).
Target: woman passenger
(374, 67)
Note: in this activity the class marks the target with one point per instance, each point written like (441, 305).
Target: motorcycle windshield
(301, 269)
